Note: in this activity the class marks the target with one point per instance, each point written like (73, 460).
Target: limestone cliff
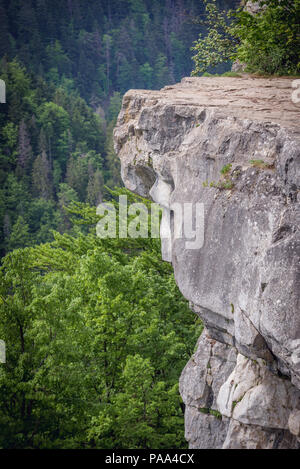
(242, 386)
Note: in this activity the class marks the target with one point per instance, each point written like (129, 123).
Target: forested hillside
(96, 331)
(51, 145)
(97, 334)
(102, 46)
(66, 65)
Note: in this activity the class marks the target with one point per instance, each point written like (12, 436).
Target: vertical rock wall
(242, 386)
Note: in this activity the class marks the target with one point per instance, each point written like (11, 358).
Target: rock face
(252, 7)
(231, 144)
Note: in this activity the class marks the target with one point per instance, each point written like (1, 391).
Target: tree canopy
(96, 334)
(267, 42)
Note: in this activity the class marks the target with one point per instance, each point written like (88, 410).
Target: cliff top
(261, 99)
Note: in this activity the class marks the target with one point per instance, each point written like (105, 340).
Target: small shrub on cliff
(261, 164)
(226, 183)
(267, 42)
(219, 45)
(225, 170)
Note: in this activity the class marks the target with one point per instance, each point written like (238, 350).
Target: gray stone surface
(254, 395)
(252, 7)
(199, 385)
(241, 436)
(204, 431)
(205, 373)
(244, 281)
(294, 422)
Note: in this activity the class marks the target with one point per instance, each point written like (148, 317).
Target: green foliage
(267, 42)
(270, 40)
(97, 335)
(113, 166)
(66, 67)
(54, 122)
(96, 330)
(48, 138)
(217, 44)
(260, 164)
(226, 169)
(215, 413)
(103, 46)
(207, 410)
(19, 235)
(225, 182)
(42, 177)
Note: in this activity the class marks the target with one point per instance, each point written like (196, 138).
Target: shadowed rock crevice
(231, 144)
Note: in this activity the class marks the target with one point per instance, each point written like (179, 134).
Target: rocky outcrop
(231, 144)
(252, 7)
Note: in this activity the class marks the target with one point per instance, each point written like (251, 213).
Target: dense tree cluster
(97, 334)
(51, 152)
(66, 65)
(267, 42)
(101, 46)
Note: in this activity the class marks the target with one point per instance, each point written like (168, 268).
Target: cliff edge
(231, 144)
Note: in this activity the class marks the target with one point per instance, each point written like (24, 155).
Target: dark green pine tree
(5, 45)
(19, 236)
(42, 177)
(24, 152)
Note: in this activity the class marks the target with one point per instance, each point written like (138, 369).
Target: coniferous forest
(66, 65)
(96, 330)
